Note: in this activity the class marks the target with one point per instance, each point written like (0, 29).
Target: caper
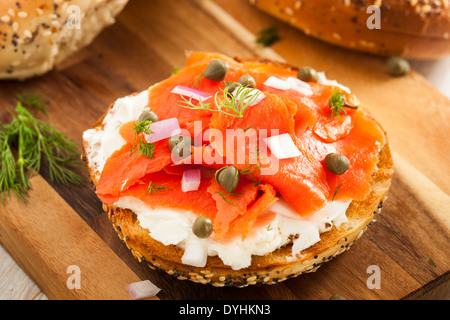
(231, 87)
(397, 66)
(148, 115)
(181, 146)
(336, 163)
(216, 71)
(247, 81)
(202, 227)
(308, 74)
(228, 178)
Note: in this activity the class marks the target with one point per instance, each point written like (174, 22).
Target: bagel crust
(412, 29)
(269, 269)
(37, 35)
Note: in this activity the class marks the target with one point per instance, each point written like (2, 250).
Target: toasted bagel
(272, 268)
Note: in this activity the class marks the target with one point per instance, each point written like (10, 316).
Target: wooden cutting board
(64, 226)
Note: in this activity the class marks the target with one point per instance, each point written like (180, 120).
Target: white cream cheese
(104, 141)
(174, 227)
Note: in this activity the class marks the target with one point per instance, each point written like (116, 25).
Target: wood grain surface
(147, 42)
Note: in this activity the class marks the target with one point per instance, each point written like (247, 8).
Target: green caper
(181, 146)
(202, 227)
(216, 71)
(231, 87)
(397, 66)
(307, 74)
(228, 178)
(336, 163)
(247, 81)
(148, 115)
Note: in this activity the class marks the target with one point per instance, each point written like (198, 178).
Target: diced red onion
(300, 86)
(163, 129)
(277, 83)
(142, 290)
(290, 83)
(191, 93)
(323, 80)
(191, 180)
(195, 253)
(282, 146)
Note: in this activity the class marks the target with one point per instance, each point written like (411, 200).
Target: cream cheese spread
(174, 227)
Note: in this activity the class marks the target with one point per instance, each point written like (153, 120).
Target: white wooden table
(16, 285)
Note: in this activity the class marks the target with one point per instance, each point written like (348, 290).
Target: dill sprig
(26, 143)
(154, 188)
(231, 104)
(252, 168)
(232, 194)
(32, 100)
(337, 104)
(336, 192)
(268, 36)
(145, 148)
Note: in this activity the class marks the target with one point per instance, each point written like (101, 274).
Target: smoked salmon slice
(237, 212)
(361, 147)
(302, 181)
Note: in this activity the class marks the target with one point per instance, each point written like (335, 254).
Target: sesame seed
(22, 14)
(5, 18)
(289, 11)
(337, 36)
(56, 23)
(27, 33)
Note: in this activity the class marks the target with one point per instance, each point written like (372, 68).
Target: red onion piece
(142, 290)
(191, 180)
(300, 86)
(195, 253)
(290, 83)
(191, 93)
(277, 83)
(163, 129)
(282, 146)
(323, 80)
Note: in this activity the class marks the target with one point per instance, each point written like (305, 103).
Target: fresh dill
(268, 36)
(154, 188)
(145, 148)
(233, 105)
(225, 195)
(143, 127)
(175, 70)
(252, 168)
(431, 262)
(25, 144)
(32, 100)
(337, 103)
(336, 192)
